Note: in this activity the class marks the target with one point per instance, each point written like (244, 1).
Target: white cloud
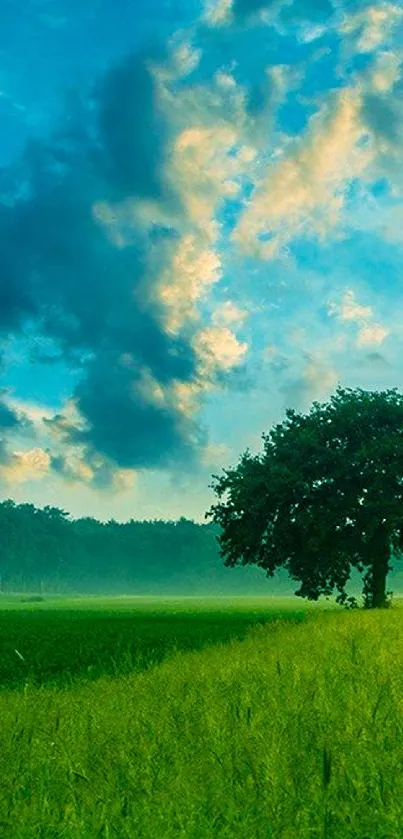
(203, 171)
(218, 12)
(386, 71)
(218, 347)
(349, 309)
(372, 26)
(227, 313)
(194, 267)
(372, 334)
(184, 59)
(304, 192)
(29, 465)
(34, 411)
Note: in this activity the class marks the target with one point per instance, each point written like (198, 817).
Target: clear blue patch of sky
(231, 207)
(321, 72)
(372, 259)
(358, 62)
(47, 383)
(294, 115)
(362, 256)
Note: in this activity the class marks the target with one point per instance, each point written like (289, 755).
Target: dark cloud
(10, 423)
(16, 299)
(132, 131)
(383, 115)
(378, 359)
(10, 420)
(8, 417)
(124, 422)
(58, 464)
(104, 472)
(95, 300)
(5, 457)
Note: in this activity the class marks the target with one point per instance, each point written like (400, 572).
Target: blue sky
(200, 227)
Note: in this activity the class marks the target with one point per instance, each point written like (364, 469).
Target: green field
(60, 641)
(157, 718)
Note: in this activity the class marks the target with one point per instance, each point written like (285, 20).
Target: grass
(60, 641)
(294, 731)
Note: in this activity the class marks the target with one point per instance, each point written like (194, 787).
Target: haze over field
(200, 226)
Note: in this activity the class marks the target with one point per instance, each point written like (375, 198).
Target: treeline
(44, 550)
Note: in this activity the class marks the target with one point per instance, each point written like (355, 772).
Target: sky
(201, 213)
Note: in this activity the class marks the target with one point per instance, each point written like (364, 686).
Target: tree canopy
(323, 496)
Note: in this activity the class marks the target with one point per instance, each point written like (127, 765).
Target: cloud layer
(166, 242)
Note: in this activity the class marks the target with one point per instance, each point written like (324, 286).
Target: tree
(325, 495)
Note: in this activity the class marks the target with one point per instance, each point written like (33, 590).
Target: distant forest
(45, 551)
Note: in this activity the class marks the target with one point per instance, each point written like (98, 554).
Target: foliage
(325, 495)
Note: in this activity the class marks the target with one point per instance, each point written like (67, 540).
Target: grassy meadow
(62, 641)
(157, 718)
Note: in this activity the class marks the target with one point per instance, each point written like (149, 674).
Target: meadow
(239, 718)
(61, 641)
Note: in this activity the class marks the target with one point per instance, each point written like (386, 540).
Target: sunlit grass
(292, 733)
(148, 603)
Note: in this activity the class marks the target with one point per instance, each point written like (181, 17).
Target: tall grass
(52, 643)
(293, 733)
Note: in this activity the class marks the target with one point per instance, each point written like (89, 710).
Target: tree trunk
(379, 573)
(376, 585)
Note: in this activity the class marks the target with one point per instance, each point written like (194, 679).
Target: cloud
(217, 12)
(100, 475)
(8, 417)
(16, 294)
(14, 423)
(372, 25)
(223, 12)
(218, 346)
(21, 466)
(215, 454)
(382, 113)
(378, 30)
(193, 269)
(109, 248)
(227, 313)
(316, 381)
(33, 412)
(303, 193)
(386, 71)
(350, 310)
(372, 333)
(378, 359)
(115, 228)
(133, 131)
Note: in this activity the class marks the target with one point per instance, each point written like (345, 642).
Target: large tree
(325, 495)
